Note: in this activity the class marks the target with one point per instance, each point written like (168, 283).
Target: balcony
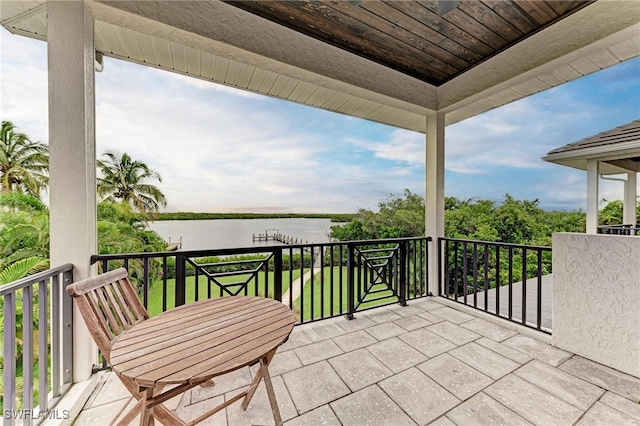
(433, 360)
(477, 351)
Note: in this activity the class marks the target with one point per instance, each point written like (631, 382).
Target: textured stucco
(596, 298)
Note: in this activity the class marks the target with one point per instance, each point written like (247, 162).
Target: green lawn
(253, 289)
(324, 305)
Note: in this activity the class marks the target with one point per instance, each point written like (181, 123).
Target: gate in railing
(315, 280)
(37, 345)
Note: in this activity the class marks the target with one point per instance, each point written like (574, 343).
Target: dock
(174, 246)
(276, 236)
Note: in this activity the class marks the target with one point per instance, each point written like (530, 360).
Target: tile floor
(423, 364)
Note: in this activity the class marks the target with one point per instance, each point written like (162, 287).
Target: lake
(234, 233)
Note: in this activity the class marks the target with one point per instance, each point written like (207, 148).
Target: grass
(254, 288)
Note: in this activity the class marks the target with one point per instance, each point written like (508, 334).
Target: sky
(220, 149)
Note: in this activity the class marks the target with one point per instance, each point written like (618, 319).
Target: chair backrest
(109, 305)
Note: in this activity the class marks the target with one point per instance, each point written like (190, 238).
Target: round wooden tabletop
(201, 340)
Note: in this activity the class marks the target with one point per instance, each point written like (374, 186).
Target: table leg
(256, 380)
(270, 391)
(146, 413)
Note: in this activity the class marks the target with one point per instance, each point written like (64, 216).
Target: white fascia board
(602, 153)
(597, 26)
(232, 33)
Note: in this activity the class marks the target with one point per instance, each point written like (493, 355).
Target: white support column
(593, 175)
(72, 154)
(629, 209)
(434, 196)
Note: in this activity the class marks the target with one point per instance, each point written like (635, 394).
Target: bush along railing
(507, 280)
(37, 346)
(315, 280)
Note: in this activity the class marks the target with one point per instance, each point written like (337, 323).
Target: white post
(72, 156)
(592, 196)
(434, 194)
(629, 209)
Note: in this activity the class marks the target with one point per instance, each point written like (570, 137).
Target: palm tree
(23, 164)
(125, 180)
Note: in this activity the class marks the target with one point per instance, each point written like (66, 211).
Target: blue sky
(219, 149)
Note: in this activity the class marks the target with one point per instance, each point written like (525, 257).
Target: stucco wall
(596, 298)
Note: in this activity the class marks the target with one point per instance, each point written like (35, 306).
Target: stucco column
(592, 196)
(629, 209)
(72, 156)
(434, 192)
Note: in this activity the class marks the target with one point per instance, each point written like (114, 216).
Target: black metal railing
(619, 229)
(316, 281)
(507, 280)
(38, 351)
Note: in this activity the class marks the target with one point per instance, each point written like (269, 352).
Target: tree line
(128, 198)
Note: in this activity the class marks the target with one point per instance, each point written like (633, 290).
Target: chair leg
(256, 380)
(270, 391)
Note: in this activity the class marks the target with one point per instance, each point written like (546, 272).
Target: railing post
(180, 289)
(350, 283)
(277, 275)
(67, 329)
(404, 282)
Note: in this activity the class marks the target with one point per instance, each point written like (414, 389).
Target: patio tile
(532, 403)
(412, 322)
(426, 304)
(352, 341)
(109, 390)
(426, 342)
(369, 406)
(123, 412)
(481, 410)
(320, 416)
(621, 404)
(442, 421)
(396, 354)
(503, 350)
(455, 376)
(317, 351)
(537, 349)
(605, 377)
(283, 362)
(358, 323)
(322, 330)
(222, 384)
(569, 388)
(190, 412)
(381, 316)
(602, 414)
(452, 315)
(314, 385)
(259, 409)
(453, 333)
(385, 331)
(418, 395)
(359, 369)
(297, 338)
(97, 414)
(489, 329)
(406, 311)
(431, 318)
(484, 360)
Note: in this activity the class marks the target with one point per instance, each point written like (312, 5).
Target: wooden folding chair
(109, 306)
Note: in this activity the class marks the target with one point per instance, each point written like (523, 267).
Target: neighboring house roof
(617, 149)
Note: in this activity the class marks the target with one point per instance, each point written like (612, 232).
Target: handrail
(55, 342)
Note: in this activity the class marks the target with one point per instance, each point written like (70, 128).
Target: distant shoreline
(335, 217)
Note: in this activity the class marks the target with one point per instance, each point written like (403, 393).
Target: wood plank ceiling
(409, 36)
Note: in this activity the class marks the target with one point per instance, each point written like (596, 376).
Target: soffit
(410, 36)
(138, 32)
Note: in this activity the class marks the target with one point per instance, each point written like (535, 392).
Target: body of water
(234, 233)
